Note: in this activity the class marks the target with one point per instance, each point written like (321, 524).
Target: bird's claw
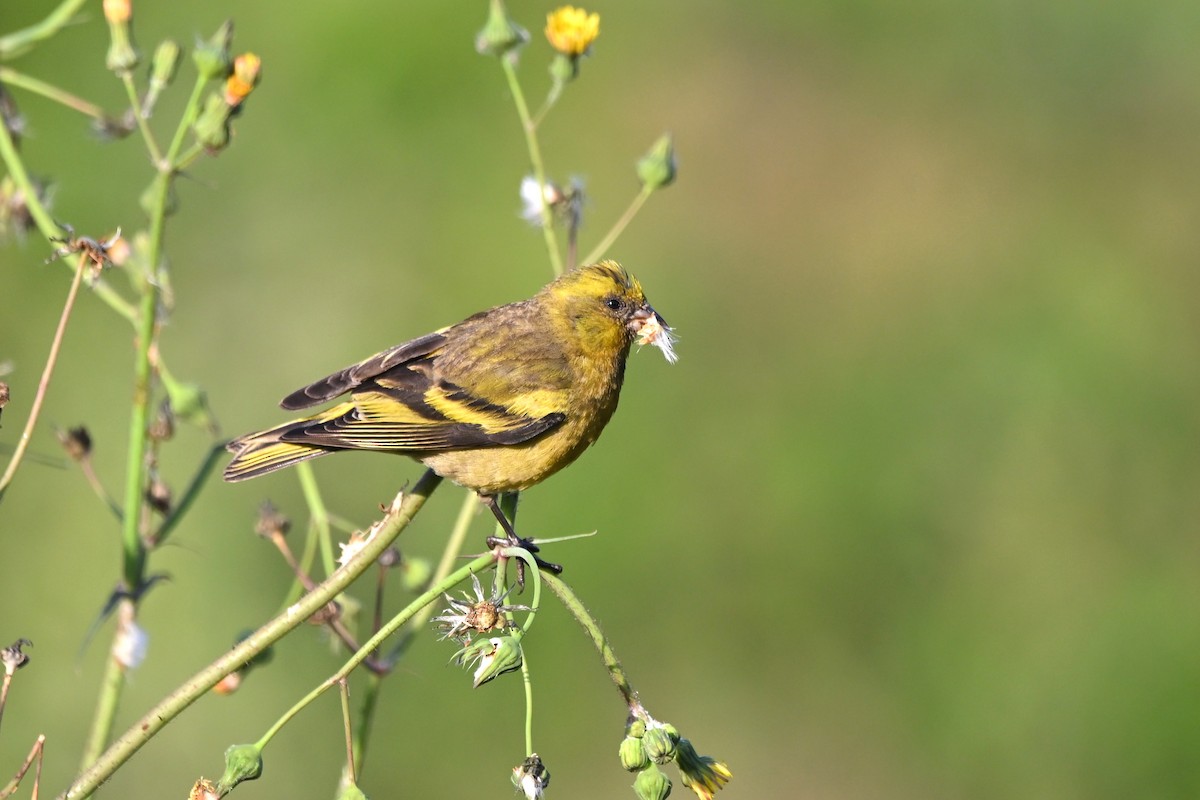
(529, 546)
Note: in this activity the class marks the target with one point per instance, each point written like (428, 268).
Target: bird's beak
(650, 328)
(643, 315)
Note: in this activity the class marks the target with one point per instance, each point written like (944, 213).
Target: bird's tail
(259, 453)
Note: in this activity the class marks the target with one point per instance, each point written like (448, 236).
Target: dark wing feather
(355, 375)
(351, 431)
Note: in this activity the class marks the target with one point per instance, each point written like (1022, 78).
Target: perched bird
(497, 403)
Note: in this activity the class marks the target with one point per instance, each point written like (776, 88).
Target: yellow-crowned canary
(497, 403)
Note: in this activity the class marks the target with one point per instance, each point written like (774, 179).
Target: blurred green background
(916, 514)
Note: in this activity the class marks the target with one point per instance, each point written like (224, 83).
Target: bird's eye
(614, 303)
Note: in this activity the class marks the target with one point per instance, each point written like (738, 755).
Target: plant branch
(383, 533)
(394, 624)
(18, 42)
(613, 664)
(10, 76)
(535, 159)
(617, 229)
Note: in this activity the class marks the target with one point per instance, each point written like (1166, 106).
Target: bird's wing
(408, 409)
(355, 375)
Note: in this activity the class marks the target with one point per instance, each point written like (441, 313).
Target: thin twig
(47, 372)
(34, 753)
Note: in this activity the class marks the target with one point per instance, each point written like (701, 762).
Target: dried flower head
(13, 657)
(571, 30)
(482, 615)
(531, 777)
(77, 442)
(271, 521)
(203, 789)
(15, 216)
(565, 205)
(158, 494)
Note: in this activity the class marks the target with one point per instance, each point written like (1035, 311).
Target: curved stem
(10, 76)
(613, 664)
(599, 250)
(383, 533)
(18, 42)
(394, 624)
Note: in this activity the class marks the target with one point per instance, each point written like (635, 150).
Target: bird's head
(605, 308)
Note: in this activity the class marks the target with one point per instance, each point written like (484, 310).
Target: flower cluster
(648, 745)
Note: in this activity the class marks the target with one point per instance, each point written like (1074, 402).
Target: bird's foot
(528, 545)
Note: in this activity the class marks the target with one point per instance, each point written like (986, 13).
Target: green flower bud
(656, 169)
(652, 784)
(500, 34)
(164, 65)
(212, 126)
(633, 754)
(658, 745)
(636, 728)
(189, 402)
(213, 58)
(243, 762)
(496, 656)
(123, 54)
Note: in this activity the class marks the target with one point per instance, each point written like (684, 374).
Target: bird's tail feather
(261, 453)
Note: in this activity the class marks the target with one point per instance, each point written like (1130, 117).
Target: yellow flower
(247, 70)
(704, 775)
(571, 30)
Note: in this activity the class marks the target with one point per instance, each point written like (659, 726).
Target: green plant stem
(109, 697)
(454, 545)
(16, 168)
(135, 103)
(383, 533)
(535, 159)
(46, 224)
(47, 373)
(599, 250)
(185, 124)
(18, 42)
(432, 594)
(551, 98)
(345, 693)
(318, 512)
(366, 718)
(133, 546)
(613, 664)
(11, 77)
(525, 677)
